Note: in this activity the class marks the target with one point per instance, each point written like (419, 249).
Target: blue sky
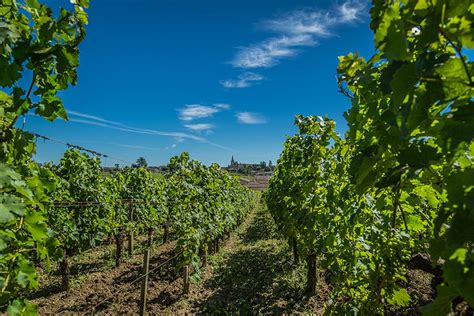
(214, 78)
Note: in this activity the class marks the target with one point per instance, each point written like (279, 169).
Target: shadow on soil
(76, 269)
(261, 228)
(112, 280)
(252, 278)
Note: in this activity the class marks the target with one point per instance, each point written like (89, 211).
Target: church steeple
(232, 161)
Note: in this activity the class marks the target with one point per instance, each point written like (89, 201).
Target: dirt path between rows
(252, 273)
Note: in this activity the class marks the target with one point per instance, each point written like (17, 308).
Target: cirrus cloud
(250, 118)
(199, 127)
(84, 118)
(268, 53)
(296, 29)
(195, 111)
(243, 80)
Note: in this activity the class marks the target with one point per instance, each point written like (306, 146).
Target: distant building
(250, 168)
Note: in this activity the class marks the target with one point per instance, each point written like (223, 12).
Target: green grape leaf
(6, 217)
(404, 80)
(400, 297)
(27, 274)
(22, 308)
(455, 80)
(415, 223)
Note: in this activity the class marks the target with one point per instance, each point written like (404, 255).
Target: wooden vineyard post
(210, 247)
(146, 269)
(295, 249)
(186, 279)
(151, 235)
(312, 273)
(203, 253)
(119, 245)
(65, 271)
(216, 245)
(130, 237)
(166, 232)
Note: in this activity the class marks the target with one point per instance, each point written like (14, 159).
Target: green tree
(140, 163)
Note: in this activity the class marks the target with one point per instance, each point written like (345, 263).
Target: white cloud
(223, 106)
(92, 117)
(250, 118)
(195, 111)
(199, 127)
(125, 128)
(268, 53)
(120, 145)
(243, 80)
(301, 22)
(350, 11)
(179, 139)
(87, 119)
(295, 30)
(178, 136)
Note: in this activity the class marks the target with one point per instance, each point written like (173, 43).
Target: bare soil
(253, 273)
(98, 286)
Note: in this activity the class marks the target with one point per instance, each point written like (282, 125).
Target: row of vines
(87, 208)
(198, 204)
(400, 184)
(52, 212)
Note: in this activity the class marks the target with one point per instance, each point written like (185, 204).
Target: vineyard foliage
(85, 207)
(402, 179)
(79, 179)
(50, 212)
(142, 199)
(38, 58)
(204, 203)
(198, 203)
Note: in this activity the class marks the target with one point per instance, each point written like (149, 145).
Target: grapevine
(400, 182)
(57, 211)
(41, 49)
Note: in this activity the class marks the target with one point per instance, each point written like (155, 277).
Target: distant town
(252, 175)
(248, 169)
(262, 168)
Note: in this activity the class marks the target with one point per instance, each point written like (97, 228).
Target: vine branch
(28, 93)
(459, 53)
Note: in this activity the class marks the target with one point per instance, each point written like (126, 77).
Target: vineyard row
(82, 208)
(399, 185)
